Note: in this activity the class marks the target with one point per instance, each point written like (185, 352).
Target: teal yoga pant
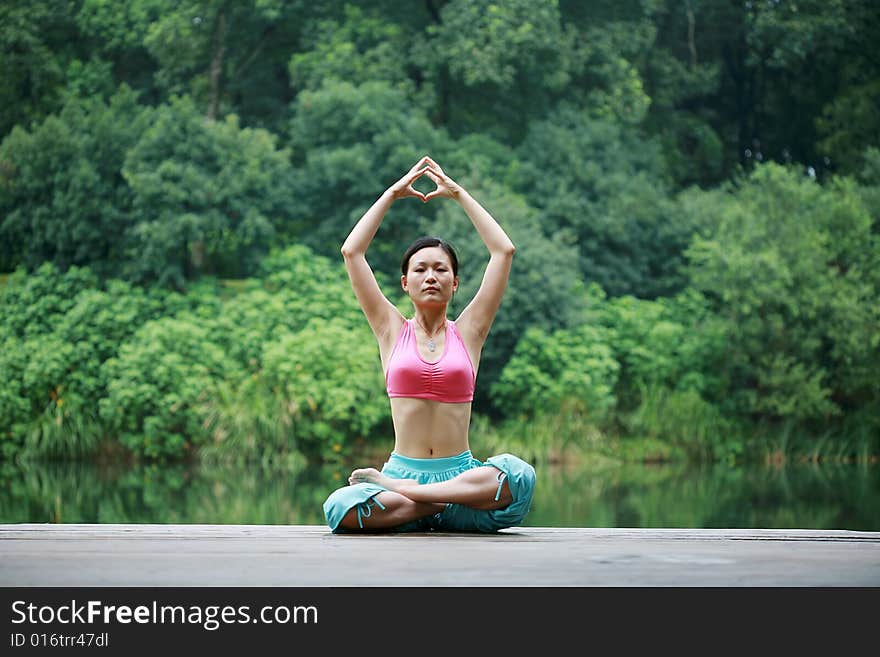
(520, 478)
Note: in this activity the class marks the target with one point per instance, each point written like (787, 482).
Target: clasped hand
(446, 187)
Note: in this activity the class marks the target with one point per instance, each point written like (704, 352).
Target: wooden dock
(59, 555)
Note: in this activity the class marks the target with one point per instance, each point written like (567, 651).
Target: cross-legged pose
(431, 480)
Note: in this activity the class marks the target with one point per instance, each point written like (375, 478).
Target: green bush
(158, 385)
(548, 370)
(329, 380)
(57, 331)
(791, 267)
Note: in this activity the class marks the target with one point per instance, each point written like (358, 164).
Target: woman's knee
(384, 511)
(346, 500)
(519, 481)
(490, 487)
(503, 497)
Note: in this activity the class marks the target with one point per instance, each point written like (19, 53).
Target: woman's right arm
(380, 312)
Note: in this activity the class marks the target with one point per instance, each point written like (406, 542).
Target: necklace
(432, 346)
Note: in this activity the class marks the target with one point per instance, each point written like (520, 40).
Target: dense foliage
(693, 189)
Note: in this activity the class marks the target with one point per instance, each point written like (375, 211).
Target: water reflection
(805, 496)
(799, 496)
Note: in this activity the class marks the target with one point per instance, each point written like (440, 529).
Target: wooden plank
(280, 555)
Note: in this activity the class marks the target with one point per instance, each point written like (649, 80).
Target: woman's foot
(373, 476)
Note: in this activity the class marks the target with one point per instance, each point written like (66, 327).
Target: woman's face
(429, 278)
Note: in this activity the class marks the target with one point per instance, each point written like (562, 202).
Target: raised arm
(381, 314)
(476, 319)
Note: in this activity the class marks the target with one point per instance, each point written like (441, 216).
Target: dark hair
(425, 242)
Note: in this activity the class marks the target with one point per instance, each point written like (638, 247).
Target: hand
(446, 186)
(404, 187)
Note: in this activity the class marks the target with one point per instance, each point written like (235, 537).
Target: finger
(409, 190)
(415, 175)
(420, 163)
(433, 164)
(414, 192)
(432, 195)
(436, 177)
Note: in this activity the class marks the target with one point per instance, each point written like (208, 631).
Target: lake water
(813, 496)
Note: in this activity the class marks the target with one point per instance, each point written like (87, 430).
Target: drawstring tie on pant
(501, 476)
(365, 510)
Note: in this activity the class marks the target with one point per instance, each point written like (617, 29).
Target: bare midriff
(425, 429)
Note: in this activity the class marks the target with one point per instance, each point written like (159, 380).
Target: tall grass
(569, 434)
(856, 439)
(685, 420)
(63, 432)
(247, 423)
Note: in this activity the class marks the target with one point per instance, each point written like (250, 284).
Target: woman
(431, 480)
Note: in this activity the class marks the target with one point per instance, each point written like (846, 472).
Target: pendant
(432, 346)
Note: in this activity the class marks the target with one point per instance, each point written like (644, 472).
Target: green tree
(62, 195)
(216, 50)
(547, 370)
(293, 287)
(158, 386)
(850, 123)
(682, 74)
(36, 40)
(792, 266)
(483, 58)
(33, 361)
(869, 189)
(116, 33)
(208, 197)
(675, 343)
(362, 47)
(603, 187)
(781, 66)
(57, 331)
(228, 56)
(330, 383)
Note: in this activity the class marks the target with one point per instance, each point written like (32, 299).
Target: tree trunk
(216, 71)
(692, 46)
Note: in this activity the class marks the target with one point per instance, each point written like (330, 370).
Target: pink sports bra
(450, 379)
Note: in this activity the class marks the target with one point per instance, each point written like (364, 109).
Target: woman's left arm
(476, 319)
